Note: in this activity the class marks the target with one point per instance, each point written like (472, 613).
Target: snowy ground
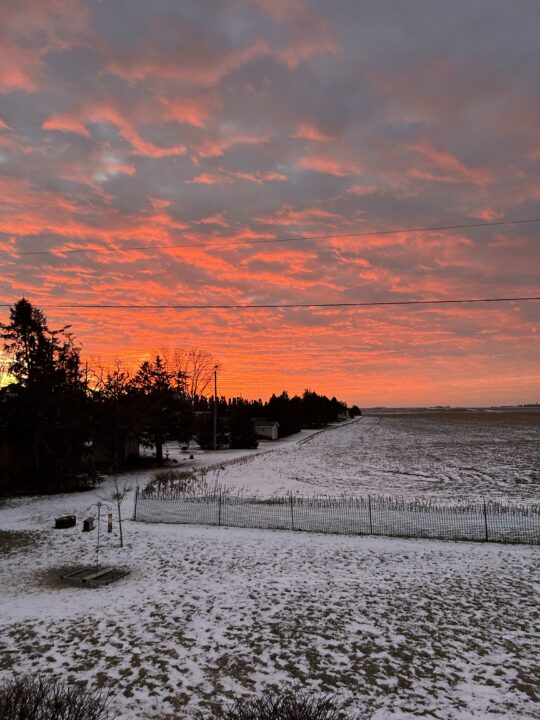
(462, 456)
(403, 628)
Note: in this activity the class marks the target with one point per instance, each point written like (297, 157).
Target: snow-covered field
(403, 628)
(446, 456)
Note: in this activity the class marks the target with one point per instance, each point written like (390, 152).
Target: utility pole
(215, 407)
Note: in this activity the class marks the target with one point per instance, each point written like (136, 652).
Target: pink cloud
(309, 32)
(65, 123)
(329, 165)
(108, 113)
(189, 110)
(111, 167)
(259, 177)
(225, 177)
(445, 167)
(206, 178)
(29, 30)
(159, 203)
(305, 45)
(306, 131)
(488, 214)
(215, 147)
(363, 190)
(287, 215)
(217, 219)
(281, 10)
(206, 69)
(19, 67)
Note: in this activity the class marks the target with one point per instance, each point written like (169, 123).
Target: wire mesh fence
(485, 522)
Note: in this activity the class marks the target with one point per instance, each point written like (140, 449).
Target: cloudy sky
(217, 123)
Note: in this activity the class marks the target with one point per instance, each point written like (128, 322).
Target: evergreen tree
(45, 419)
(115, 413)
(286, 411)
(164, 410)
(241, 428)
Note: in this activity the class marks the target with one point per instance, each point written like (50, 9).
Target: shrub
(286, 704)
(38, 698)
(180, 477)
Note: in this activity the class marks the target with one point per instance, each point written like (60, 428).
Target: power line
(370, 233)
(285, 306)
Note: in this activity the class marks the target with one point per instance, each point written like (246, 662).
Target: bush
(38, 698)
(284, 705)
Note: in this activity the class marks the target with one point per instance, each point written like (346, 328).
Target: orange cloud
(109, 114)
(139, 104)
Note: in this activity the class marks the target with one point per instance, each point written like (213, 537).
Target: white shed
(267, 429)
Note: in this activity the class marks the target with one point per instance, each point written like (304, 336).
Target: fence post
(370, 519)
(292, 511)
(219, 509)
(136, 500)
(485, 521)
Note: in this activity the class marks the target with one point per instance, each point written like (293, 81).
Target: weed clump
(286, 704)
(181, 479)
(37, 698)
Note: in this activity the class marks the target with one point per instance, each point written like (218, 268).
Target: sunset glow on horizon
(217, 125)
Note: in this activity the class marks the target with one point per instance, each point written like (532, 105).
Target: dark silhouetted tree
(45, 418)
(165, 411)
(241, 429)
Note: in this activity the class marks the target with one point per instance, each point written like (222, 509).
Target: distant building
(266, 429)
(102, 453)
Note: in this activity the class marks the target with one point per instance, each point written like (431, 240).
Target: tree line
(60, 420)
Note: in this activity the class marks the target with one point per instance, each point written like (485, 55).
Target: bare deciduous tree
(195, 366)
(110, 380)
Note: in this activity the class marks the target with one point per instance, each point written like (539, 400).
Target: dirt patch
(55, 578)
(15, 540)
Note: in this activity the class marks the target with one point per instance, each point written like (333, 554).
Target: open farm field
(446, 456)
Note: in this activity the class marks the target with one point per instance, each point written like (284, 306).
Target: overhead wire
(278, 306)
(260, 241)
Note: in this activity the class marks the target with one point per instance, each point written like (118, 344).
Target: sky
(218, 124)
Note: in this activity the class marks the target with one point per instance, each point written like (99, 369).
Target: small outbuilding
(266, 429)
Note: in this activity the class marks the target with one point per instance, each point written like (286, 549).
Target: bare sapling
(119, 496)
